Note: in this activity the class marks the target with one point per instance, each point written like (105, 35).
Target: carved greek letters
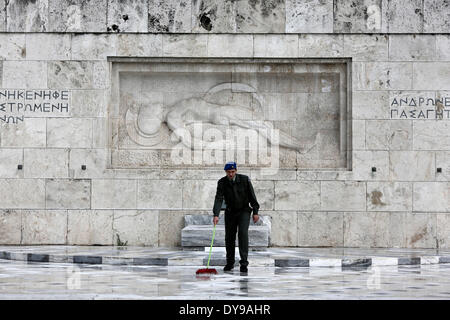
(16, 104)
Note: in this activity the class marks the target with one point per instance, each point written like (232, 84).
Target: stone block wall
(57, 52)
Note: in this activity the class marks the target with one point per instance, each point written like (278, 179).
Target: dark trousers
(239, 222)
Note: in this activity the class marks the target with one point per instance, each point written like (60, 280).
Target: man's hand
(215, 220)
(255, 218)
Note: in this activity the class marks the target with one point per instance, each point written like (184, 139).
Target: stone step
(201, 219)
(201, 235)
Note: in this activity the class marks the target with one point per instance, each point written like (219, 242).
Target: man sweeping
(237, 190)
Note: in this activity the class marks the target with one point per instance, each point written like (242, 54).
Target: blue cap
(230, 165)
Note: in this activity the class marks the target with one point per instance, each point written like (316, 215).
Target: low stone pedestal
(198, 232)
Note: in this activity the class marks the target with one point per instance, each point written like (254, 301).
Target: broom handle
(210, 248)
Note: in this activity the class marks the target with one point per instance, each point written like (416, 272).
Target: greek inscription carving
(16, 104)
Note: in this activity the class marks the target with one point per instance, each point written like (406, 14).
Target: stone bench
(198, 232)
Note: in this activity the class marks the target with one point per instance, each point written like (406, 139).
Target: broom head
(207, 271)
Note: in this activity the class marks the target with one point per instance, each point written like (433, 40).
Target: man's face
(231, 173)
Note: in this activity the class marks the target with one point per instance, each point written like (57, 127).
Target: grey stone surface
(198, 232)
(431, 196)
(12, 46)
(87, 46)
(22, 193)
(402, 16)
(161, 194)
(206, 219)
(348, 263)
(358, 16)
(88, 259)
(44, 227)
(67, 194)
(88, 103)
(9, 161)
(320, 45)
(10, 226)
(364, 161)
(171, 222)
(389, 196)
(424, 135)
(431, 76)
(260, 16)
(136, 227)
(151, 261)
(442, 45)
(443, 162)
(389, 135)
(100, 70)
(138, 45)
(83, 227)
(24, 74)
(135, 158)
(169, 16)
(384, 76)
(442, 225)
(436, 16)
(69, 132)
(320, 229)
(201, 235)
(412, 165)
(370, 105)
(268, 45)
(3, 16)
(358, 134)
(197, 194)
(225, 45)
(70, 75)
(315, 90)
(48, 46)
(294, 195)
(342, 196)
(421, 230)
(197, 219)
(362, 47)
(398, 49)
(113, 194)
(46, 163)
(26, 16)
(291, 262)
(218, 16)
(374, 229)
(409, 261)
(312, 16)
(412, 47)
(95, 161)
(38, 257)
(185, 45)
(128, 16)
(77, 15)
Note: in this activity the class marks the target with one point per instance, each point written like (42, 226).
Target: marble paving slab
(269, 257)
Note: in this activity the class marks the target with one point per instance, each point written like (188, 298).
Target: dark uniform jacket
(237, 195)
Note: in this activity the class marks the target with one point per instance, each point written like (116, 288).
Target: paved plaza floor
(31, 280)
(163, 273)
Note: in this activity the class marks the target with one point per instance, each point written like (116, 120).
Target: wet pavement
(33, 280)
(267, 257)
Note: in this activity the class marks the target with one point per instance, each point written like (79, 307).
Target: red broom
(207, 270)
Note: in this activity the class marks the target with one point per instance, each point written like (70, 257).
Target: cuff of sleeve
(255, 213)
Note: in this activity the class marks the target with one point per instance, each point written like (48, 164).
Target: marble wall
(57, 181)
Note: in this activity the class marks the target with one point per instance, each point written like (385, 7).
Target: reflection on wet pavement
(22, 280)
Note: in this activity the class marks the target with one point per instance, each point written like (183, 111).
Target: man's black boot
(244, 269)
(228, 267)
